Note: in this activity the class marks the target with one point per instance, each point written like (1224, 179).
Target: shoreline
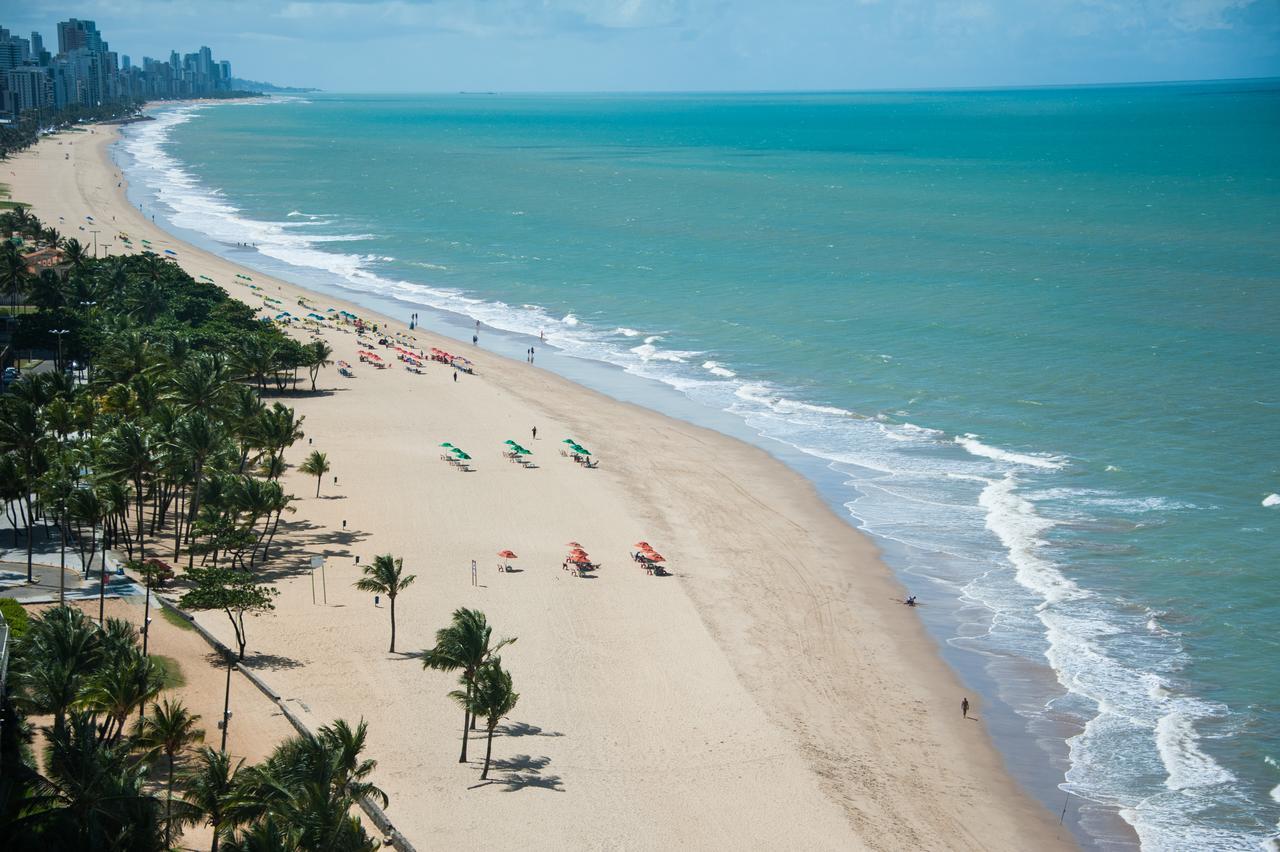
(889, 679)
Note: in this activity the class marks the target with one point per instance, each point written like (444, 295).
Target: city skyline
(673, 45)
(85, 72)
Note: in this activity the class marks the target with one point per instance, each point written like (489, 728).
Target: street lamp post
(226, 701)
(95, 241)
(59, 332)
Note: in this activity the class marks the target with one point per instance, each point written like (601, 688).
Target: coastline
(781, 617)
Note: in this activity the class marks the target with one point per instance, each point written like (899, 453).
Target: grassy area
(171, 671)
(175, 619)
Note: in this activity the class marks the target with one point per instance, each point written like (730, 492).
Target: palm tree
(63, 649)
(385, 577)
(170, 729)
(318, 352)
(129, 453)
(21, 433)
(491, 698)
(317, 465)
(280, 428)
(121, 687)
(464, 645)
(201, 383)
(77, 254)
(307, 787)
(209, 786)
(13, 273)
(97, 793)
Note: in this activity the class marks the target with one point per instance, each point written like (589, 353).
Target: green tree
(466, 645)
(170, 729)
(490, 698)
(318, 352)
(317, 465)
(209, 786)
(385, 576)
(237, 593)
(13, 273)
(307, 788)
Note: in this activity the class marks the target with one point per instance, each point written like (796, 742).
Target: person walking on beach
(475, 338)
(455, 375)
(964, 707)
(535, 433)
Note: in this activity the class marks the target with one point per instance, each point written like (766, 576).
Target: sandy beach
(772, 693)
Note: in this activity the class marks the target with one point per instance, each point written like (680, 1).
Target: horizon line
(798, 91)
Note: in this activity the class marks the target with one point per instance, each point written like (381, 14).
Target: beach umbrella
(643, 544)
(522, 451)
(572, 544)
(507, 554)
(509, 441)
(460, 454)
(654, 557)
(446, 444)
(171, 251)
(569, 441)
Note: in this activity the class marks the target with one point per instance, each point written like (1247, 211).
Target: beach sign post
(318, 562)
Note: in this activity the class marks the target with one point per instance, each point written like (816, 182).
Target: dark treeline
(25, 131)
(111, 778)
(151, 437)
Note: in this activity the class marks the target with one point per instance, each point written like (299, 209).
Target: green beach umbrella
(569, 441)
(446, 444)
(460, 454)
(509, 441)
(522, 451)
(582, 450)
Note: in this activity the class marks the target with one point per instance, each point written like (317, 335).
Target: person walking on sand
(964, 707)
(535, 433)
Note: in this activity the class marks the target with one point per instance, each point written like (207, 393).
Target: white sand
(770, 695)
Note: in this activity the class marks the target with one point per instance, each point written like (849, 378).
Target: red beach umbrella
(642, 544)
(507, 554)
(572, 544)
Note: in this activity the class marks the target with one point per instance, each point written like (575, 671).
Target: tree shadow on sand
(524, 729)
(520, 772)
(269, 662)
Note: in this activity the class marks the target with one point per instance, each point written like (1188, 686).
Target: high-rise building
(87, 72)
(74, 34)
(29, 87)
(10, 54)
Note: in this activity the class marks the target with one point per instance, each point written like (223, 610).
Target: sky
(682, 45)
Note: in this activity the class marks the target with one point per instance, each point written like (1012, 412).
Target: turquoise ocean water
(1029, 340)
